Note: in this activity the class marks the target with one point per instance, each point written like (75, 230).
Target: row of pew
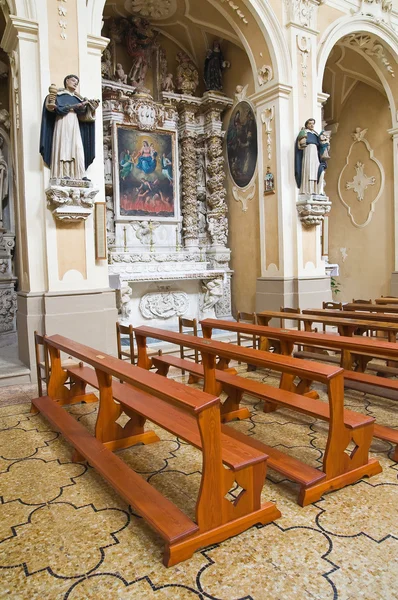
(231, 459)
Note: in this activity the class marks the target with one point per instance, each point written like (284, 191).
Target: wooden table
(346, 327)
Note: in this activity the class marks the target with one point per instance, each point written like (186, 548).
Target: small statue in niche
(214, 66)
(67, 136)
(106, 65)
(140, 42)
(107, 164)
(311, 154)
(187, 75)
(268, 181)
(120, 75)
(168, 83)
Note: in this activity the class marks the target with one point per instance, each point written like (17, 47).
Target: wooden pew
(365, 348)
(351, 314)
(189, 414)
(373, 308)
(346, 327)
(387, 300)
(339, 467)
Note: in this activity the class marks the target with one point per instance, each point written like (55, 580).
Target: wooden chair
(291, 311)
(129, 331)
(42, 362)
(332, 305)
(192, 326)
(244, 317)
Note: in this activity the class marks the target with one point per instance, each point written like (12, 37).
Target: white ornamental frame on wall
(247, 193)
(361, 138)
(116, 188)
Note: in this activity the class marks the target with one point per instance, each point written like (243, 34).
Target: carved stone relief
(70, 202)
(360, 182)
(212, 293)
(264, 74)
(8, 309)
(379, 10)
(164, 305)
(303, 44)
(302, 12)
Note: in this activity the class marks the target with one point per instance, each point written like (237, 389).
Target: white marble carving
(379, 10)
(163, 305)
(302, 12)
(124, 306)
(70, 202)
(212, 292)
(360, 182)
(144, 231)
(8, 308)
(241, 92)
(312, 209)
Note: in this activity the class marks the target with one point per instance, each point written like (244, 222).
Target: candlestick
(150, 225)
(178, 247)
(125, 238)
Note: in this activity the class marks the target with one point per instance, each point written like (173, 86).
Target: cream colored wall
(365, 272)
(244, 231)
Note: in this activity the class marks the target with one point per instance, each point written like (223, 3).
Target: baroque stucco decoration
(245, 196)
(267, 116)
(359, 184)
(236, 9)
(164, 305)
(303, 44)
(371, 46)
(379, 10)
(153, 9)
(302, 12)
(70, 202)
(264, 74)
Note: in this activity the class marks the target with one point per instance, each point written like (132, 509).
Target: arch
(347, 25)
(265, 19)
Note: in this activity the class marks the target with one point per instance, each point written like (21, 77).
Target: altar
(166, 211)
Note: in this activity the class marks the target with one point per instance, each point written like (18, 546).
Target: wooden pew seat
(309, 406)
(168, 520)
(236, 455)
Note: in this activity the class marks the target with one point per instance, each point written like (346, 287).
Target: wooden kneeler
(193, 416)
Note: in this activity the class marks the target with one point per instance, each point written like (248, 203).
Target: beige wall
(366, 270)
(244, 232)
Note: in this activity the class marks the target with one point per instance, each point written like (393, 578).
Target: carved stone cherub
(168, 83)
(120, 75)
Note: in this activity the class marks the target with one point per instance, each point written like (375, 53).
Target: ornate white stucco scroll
(245, 196)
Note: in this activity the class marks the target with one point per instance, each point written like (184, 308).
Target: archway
(357, 66)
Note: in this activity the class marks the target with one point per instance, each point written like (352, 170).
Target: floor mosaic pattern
(65, 534)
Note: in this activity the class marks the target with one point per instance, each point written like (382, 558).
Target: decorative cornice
(271, 92)
(18, 29)
(97, 42)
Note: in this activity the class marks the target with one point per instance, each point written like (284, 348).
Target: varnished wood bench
(339, 467)
(365, 348)
(190, 414)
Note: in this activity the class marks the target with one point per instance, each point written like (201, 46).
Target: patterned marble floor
(65, 534)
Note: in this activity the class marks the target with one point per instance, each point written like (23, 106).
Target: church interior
(199, 299)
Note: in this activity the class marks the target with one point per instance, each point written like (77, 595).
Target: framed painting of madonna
(145, 165)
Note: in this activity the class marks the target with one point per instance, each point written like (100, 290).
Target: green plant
(335, 285)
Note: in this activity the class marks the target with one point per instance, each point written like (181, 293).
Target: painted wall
(365, 255)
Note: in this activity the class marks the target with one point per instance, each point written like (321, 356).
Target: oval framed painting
(242, 144)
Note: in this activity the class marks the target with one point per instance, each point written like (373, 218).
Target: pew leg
(395, 454)
(230, 409)
(193, 378)
(77, 457)
(162, 368)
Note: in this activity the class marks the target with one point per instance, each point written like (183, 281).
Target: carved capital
(312, 208)
(70, 200)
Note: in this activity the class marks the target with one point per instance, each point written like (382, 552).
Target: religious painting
(242, 144)
(146, 173)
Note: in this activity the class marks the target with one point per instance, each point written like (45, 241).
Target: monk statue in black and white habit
(311, 156)
(67, 137)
